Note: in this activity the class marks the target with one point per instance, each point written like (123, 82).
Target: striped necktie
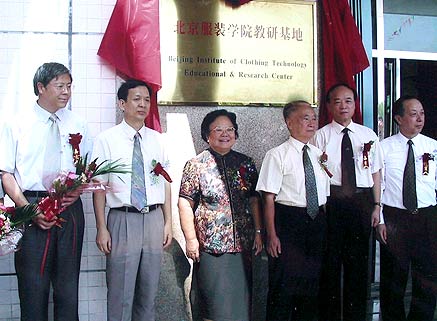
(310, 185)
(138, 186)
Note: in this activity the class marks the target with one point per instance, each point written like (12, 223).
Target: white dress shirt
(395, 150)
(282, 174)
(117, 143)
(328, 139)
(23, 144)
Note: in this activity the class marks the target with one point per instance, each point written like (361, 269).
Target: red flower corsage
(366, 150)
(159, 170)
(241, 174)
(74, 141)
(322, 161)
(425, 161)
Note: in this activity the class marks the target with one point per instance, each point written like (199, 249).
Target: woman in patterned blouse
(221, 219)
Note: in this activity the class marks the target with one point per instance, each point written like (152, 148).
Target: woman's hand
(258, 243)
(192, 248)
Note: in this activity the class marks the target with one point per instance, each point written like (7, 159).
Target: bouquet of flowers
(82, 178)
(11, 221)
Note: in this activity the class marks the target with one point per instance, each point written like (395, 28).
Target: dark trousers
(295, 275)
(411, 242)
(346, 261)
(61, 268)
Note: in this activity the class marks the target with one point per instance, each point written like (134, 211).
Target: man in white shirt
(134, 236)
(408, 229)
(48, 254)
(354, 157)
(295, 237)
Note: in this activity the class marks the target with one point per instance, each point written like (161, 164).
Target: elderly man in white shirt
(294, 218)
(138, 227)
(408, 229)
(354, 157)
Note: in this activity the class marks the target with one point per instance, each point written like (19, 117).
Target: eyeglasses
(220, 130)
(62, 87)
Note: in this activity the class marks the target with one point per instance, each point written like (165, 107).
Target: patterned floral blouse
(220, 187)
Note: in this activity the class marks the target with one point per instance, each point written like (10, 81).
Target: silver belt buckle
(145, 210)
(415, 211)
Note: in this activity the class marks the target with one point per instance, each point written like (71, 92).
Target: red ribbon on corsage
(159, 170)
(366, 150)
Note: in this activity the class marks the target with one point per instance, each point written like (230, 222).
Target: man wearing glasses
(36, 150)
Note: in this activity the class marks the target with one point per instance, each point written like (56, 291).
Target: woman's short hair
(212, 116)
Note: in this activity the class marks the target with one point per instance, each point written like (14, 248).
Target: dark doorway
(419, 78)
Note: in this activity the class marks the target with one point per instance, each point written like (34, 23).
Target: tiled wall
(33, 32)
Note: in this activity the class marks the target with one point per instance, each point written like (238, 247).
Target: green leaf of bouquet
(24, 214)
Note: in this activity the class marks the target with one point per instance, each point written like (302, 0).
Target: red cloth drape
(343, 52)
(131, 44)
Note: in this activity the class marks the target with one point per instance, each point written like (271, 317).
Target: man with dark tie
(138, 225)
(35, 148)
(355, 159)
(294, 187)
(408, 229)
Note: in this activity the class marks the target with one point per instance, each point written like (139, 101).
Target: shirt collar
(404, 139)
(338, 128)
(297, 144)
(130, 131)
(44, 115)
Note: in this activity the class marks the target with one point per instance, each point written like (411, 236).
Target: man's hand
(375, 216)
(41, 221)
(273, 245)
(168, 236)
(103, 240)
(381, 233)
(71, 197)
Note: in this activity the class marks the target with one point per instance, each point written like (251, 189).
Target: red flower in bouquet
(159, 170)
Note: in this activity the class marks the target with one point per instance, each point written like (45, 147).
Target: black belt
(416, 211)
(131, 209)
(338, 190)
(36, 194)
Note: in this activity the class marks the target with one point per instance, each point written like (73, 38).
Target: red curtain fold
(343, 53)
(131, 44)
